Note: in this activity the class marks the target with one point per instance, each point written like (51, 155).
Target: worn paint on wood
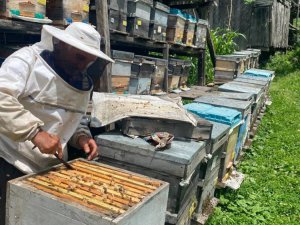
(76, 197)
(229, 95)
(145, 127)
(265, 25)
(242, 106)
(180, 159)
(109, 108)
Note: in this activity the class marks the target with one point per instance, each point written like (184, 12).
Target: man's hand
(89, 146)
(47, 143)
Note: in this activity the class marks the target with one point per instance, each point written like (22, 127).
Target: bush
(285, 63)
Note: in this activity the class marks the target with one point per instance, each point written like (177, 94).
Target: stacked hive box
(179, 165)
(189, 30)
(231, 95)
(67, 11)
(176, 24)
(228, 67)
(258, 89)
(257, 92)
(33, 8)
(121, 71)
(257, 53)
(159, 22)
(139, 13)
(175, 68)
(226, 116)
(187, 64)
(200, 34)
(210, 167)
(118, 15)
(142, 72)
(157, 71)
(244, 107)
(95, 193)
(248, 55)
(178, 73)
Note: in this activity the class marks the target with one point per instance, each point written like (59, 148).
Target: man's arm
(17, 123)
(82, 139)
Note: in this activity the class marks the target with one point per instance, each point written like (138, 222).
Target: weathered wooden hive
(92, 193)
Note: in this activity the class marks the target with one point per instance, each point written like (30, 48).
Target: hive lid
(219, 130)
(176, 12)
(231, 95)
(251, 81)
(181, 152)
(248, 84)
(260, 73)
(202, 22)
(238, 88)
(235, 58)
(162, 7)
(249, 77)
(93, 186)
(242, 106)
(222, 115)
(122, 55)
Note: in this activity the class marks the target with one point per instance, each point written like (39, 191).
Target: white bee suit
(33, 95)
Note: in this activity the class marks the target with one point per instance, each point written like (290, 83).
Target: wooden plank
(103, 29)
(166, 57)
(201, 69)
(211, 48)
(18, 26)
(195, 92)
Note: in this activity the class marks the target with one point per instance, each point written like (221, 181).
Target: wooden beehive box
(175, 28)
(242, 106)
(91, 194)
(68, 11)
(231, 95)
(227, 68)
(29, 8)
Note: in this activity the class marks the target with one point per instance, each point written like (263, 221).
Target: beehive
(67, 11)
(29, 8)
(96, 193)
(211, 166)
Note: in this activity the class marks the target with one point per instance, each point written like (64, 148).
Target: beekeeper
(44, 93)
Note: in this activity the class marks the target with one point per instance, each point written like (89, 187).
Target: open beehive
(114, 195)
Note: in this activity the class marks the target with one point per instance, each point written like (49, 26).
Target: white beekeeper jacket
(33, 95)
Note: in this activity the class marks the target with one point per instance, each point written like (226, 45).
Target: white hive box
(92, 194)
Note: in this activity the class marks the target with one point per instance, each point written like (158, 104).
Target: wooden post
(201, 69)
(103, 29)
(297, 22)
(166, 56)
(211, 48)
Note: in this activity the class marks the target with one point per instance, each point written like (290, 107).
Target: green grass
(270, 193)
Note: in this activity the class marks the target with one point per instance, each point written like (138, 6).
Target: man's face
(72, 60)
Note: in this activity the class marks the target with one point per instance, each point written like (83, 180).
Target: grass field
(270, 193)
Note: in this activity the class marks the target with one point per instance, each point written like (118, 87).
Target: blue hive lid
(198, 108)
(190, 18)
(259, 73)
(222, 115)
(177, 12)
(247, 76)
